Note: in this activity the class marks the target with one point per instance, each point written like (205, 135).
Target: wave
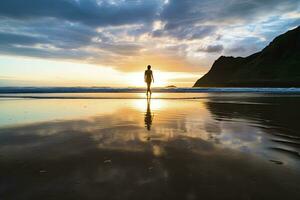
(12, 90)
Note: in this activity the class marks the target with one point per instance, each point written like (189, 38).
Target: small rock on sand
(277, 162)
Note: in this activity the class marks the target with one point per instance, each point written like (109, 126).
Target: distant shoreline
(40, 90)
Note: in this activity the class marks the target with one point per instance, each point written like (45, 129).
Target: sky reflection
(130, 123)
(159, 147)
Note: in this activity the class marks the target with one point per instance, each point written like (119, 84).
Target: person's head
(149, 66)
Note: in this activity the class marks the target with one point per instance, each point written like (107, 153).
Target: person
(148, 79)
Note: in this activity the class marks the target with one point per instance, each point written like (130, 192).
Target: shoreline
(18, 90)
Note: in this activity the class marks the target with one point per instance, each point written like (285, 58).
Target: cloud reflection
(192, 144)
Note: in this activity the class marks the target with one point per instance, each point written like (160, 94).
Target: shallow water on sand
(174, 146)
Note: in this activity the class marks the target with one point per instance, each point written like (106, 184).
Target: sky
(110, 42)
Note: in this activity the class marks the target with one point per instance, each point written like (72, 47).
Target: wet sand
(215, 146)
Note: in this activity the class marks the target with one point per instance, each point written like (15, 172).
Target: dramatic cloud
(90, 12)
(212, 48)
(127, 33)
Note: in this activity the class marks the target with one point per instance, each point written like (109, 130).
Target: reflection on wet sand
(275, 122)
(148, 116)
(207, 149)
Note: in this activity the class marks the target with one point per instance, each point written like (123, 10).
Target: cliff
(277, 65)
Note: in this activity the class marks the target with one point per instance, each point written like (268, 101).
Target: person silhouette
(148, 116)
(148, 79)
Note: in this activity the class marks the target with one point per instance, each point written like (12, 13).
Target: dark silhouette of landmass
(277, 65)
(171, 86)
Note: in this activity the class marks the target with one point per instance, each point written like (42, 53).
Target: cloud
(123, 49)
(236, 49)
(212, 48)
(185, 32)
(90, 12)
(179, 13)
(11, 38)
(119, 33)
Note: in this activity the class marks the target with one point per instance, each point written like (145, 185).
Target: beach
(173, 146)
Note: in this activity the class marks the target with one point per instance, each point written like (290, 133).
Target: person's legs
(148, 88)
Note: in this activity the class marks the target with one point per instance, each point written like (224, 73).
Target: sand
(213, 147)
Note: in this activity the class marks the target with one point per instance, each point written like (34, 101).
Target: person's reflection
(148, 116)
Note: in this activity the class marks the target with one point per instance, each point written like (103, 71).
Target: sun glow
(161, 79)
(68, 73)
(155, 104)
(136, 79)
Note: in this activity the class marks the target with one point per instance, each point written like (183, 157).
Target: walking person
(149, 79)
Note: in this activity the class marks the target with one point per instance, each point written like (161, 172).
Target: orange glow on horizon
(136, 79)
(161, 79)
(67, 73)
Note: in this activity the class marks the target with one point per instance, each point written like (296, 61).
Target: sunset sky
(110, 42)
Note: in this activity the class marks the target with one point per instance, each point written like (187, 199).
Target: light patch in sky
(50, 73)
